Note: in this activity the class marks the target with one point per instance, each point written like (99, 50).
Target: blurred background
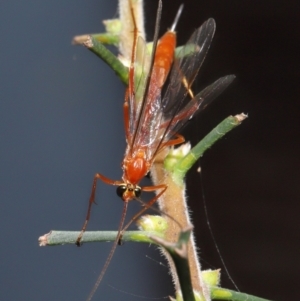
(61, 122)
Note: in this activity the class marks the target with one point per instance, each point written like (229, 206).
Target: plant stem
(173, 202)
(179, 254)
(106, 38)
(177, 251)
(54, 238)
(107, 56)
(218, 293)
(128, 9)
(184, 164)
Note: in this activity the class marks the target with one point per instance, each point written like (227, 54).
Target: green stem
(184, 164)
(107, 38)
(177, 251)
(218, 293)
(54, 238)
(108, 57)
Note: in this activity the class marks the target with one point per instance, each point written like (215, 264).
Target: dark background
(61, 121)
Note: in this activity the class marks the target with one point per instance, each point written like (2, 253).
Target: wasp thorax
(135, 167)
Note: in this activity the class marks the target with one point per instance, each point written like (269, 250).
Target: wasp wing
(177, 111)
(198, 103)
(137, 84)
(147, 132)
(186, 67)
(184, 71)
(145, 100)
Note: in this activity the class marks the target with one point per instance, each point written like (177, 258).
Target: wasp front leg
(97, 177)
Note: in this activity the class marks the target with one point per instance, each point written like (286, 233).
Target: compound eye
(137, 192)
(120, 190)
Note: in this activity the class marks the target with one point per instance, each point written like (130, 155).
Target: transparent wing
(141, 70)
(186, 67)
(177, 111)
(145, 110)
(197, 104)
(156, 120)
(148, 133)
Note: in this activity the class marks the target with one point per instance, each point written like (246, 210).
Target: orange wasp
(152, 121)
